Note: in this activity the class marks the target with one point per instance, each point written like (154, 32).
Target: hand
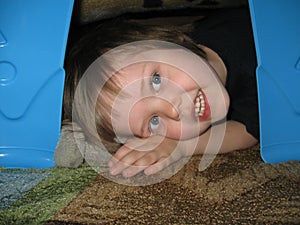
(150, 155)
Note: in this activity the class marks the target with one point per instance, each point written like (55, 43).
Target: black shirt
(229, 33)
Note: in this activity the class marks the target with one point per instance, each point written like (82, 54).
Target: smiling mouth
(202, 110)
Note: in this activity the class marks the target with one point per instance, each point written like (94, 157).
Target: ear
(216, 62)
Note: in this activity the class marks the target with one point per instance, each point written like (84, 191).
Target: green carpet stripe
(47, 197)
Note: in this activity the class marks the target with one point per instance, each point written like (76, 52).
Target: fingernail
(113, 171)
(127, 173)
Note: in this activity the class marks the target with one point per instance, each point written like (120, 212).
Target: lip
(206, 113)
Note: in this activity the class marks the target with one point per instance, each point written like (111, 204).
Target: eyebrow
(144, 77)
(142, 87)
(142, 130)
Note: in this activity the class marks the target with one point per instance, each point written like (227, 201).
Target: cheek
(184, 81)
(185, 130)
(173, 129)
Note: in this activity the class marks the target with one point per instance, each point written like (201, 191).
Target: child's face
(164, 100)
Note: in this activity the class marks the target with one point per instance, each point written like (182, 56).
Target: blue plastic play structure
(276, 27)
(33, 37)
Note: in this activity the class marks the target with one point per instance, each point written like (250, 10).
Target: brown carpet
(237, 188)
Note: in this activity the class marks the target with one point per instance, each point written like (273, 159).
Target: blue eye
(154, 123)
(156, 80)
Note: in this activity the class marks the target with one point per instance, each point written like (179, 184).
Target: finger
(118, 156)
(148, 159)
(122, 151)
(125, 157)
(141, 164)
(132, 171)
(115, 164)
(128, 160)
(157, 167)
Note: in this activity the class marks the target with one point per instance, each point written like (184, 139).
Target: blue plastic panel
(33, 37)
(276, 27)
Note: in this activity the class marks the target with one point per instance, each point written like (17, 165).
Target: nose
(171, 109)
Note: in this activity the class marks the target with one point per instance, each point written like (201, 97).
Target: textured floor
(39, 204)
(238, 188)
(13, 185)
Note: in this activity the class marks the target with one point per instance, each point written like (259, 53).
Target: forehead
(129, 62)
(132, 79)
(145, 70)
(136, 71)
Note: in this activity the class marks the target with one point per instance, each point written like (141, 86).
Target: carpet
(33, 196)
(13, 185)
(237, 188)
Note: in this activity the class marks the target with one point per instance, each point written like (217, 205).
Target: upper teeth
(199, 104)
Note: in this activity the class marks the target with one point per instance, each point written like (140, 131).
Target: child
(147, 102)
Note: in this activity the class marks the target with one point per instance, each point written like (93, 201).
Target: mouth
(202, 109)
